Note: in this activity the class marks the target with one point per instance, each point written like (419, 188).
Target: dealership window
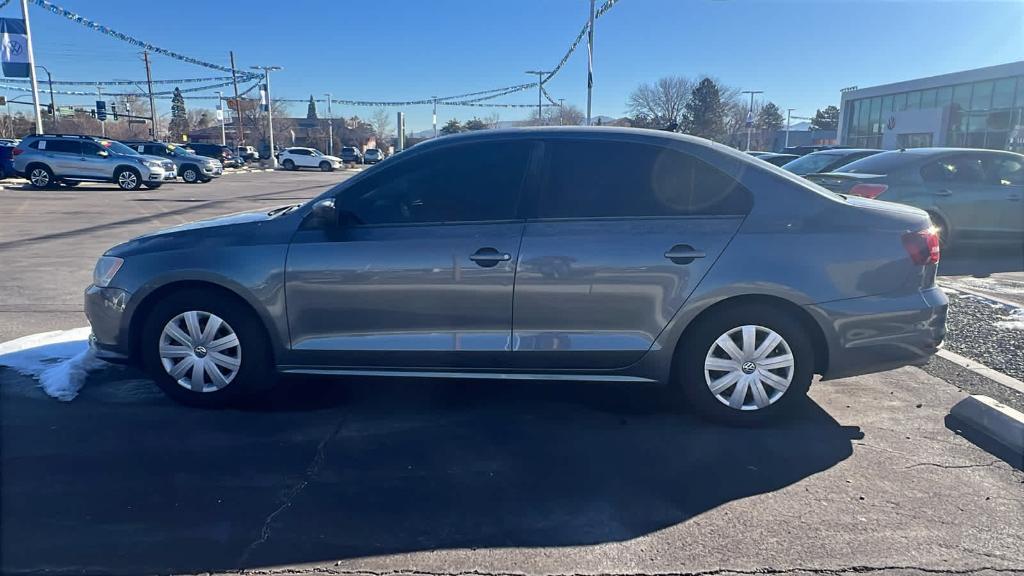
(1002, 93)
(914, 100)
(919, 140)
(874, 123)
(962, 96)
(928, 98)
(944, 96)
(887, 102)
(982, 98)
(901, 101)
(1019, 103)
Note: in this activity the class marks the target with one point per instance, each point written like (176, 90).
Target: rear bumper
(878, 333)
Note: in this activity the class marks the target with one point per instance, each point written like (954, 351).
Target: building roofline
(961, 77)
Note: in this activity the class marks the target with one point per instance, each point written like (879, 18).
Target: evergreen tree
(705, 111)
(769, 118)
(178, 127)
(311, 110)
(452, 127)
(827, 119)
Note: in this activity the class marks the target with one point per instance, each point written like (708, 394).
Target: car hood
(219, 221)
(197, 158)
(153, 158)
(331, 158)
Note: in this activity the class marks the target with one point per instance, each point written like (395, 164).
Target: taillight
(17, 151)
(923, 246)
(868, 190)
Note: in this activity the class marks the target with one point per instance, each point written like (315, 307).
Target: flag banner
(14, 48)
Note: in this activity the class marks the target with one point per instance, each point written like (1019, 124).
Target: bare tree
(565, 115)
(199, 118)
(381, 122)
(662, 102)
(492, 120)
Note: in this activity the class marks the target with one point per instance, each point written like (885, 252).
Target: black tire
(256, 369)
(128, 179)
(153, 186)
(698, 344)
(40, 177)
(190, 174)
(325, 166)
(289, 165)
(69, 184)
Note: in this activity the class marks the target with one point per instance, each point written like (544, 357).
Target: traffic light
(49, 109)
(3, 100)
(101, 110)
(113, 109)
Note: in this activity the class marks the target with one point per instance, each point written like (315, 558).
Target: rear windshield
(882, 163)
(811, 163)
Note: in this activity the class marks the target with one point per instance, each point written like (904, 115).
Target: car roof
(844, 151)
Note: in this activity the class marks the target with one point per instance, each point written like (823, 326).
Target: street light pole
(540, 92)
(788, 112)
(270, 109)
(750, 114)
(53, 105)
(220, 112)
(330, 126)
(590, 59)
(561, 111)
(152, 102)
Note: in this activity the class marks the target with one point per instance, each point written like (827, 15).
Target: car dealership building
(980, 108)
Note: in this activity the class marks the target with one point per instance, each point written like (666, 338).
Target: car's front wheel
(325, 166)
(190, 174)
(205, 350)
(40, 177)
(746, 364)
(128, 179)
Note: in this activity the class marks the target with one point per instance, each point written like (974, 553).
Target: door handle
(943, 192)
(683, 254)
(489, 257)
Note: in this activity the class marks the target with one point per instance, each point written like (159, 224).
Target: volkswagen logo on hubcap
(200, 351)
(748, 367)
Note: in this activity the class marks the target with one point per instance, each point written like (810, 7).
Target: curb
(982, 370)
(994, 421)
(982, 295)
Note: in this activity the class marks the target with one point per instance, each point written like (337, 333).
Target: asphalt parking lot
(396, 477)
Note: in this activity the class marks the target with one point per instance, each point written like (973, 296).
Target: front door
(969, 201)
(420, 269)
(620, 236)
(1006, 173)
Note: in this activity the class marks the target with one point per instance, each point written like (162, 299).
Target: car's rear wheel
(325, 166)
(205, 350)
(190, 174)
(128, 179)
(40, 177)
(746, 364)
(288, 165)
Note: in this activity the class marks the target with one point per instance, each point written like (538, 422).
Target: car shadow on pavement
(326, 470)
(981, 261)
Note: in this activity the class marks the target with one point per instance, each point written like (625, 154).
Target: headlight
(105, 269)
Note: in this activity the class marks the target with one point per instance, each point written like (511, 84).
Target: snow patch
(1015, 320)
(59, 360)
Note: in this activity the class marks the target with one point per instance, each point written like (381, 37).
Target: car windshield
(118, 148)
(810, 163)
(882, 163)
(177, 150)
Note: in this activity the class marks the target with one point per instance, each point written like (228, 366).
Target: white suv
(295, 158)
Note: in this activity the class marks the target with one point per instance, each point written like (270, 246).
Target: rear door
(971, 203)
(64, 156)
(421, 272)
(619, 236)
(1006, 172)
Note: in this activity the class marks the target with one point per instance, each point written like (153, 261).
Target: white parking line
(982, 370)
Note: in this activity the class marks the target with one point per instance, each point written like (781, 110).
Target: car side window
(1005, 171)
(64, 146)
(469, 183)
(91, 149)
(590, 179)
(965, 169)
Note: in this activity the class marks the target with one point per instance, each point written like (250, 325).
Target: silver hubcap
(749, 367)
(40, 177)
(190, 175)
(127, 179)
(200, 351)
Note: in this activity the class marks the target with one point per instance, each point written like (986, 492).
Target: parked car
(827, 160)
(803, 150)
(971, 195)
(297, 157)
(192, 168)
(50, 159)
(372, 156)
(776, 158)
(351, 155)
(224, 154)
(248, 153)
(6, 159)
(511, 254)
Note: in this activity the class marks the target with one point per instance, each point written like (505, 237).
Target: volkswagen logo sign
(891, 123)
(13, 47)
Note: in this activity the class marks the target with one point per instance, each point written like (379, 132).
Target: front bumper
(105, 309)
(877, 333)
(161, 175)
(212, 171)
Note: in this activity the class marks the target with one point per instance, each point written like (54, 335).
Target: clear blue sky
(799, 53)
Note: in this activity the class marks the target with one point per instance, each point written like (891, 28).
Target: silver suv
(191, 167)
(50, 159)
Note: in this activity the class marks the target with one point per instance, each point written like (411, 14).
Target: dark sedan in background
(827, 160)
(971, 195)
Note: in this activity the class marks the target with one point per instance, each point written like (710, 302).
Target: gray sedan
(522, 255)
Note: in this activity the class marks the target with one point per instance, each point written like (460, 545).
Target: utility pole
(330, 126)
(32, 67)
(560, 110)
(434, 98)
(53, 105)
(99, 96)
(540, 91)
(788, 112)
(270, 108)
(152, 102)
(750, 114)
(240, 135)
(590, 59)
(220, 112)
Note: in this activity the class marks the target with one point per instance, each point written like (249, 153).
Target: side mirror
(324, 212)
(103, 153)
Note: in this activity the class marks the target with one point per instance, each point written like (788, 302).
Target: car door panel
(403, 282)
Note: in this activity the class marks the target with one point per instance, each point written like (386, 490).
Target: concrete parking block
(996, 421)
